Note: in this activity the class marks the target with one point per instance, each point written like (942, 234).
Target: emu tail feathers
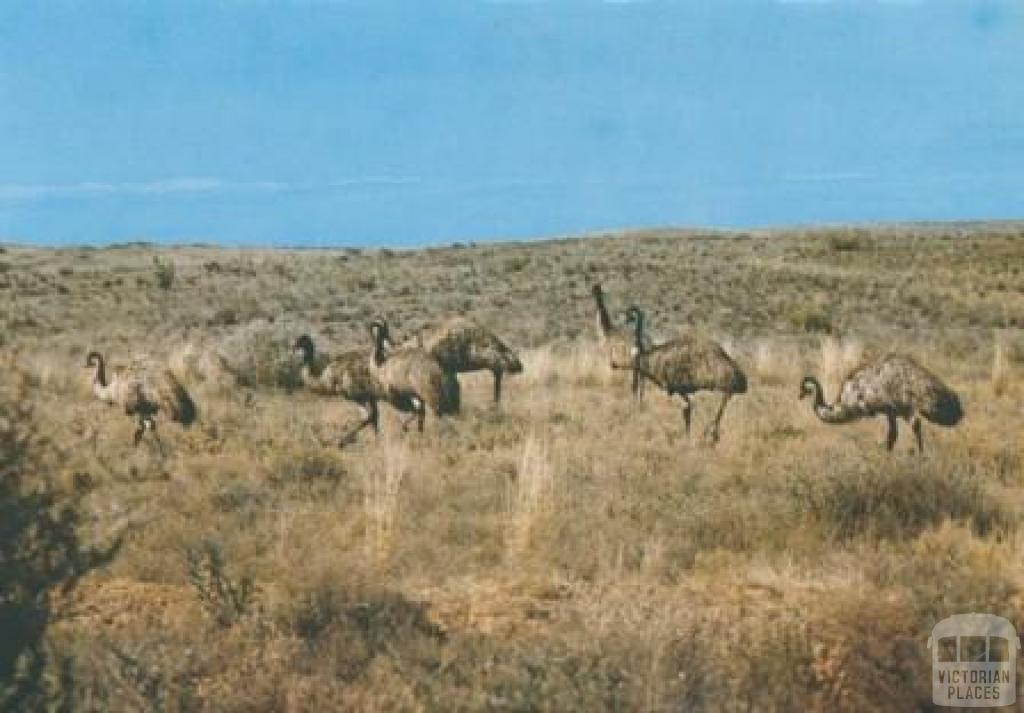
(183, 407)
(945, 409)
(739, 382)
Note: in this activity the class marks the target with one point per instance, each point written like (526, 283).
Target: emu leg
(412, 417)
(370, 420)
(712, 431)
(916, 425)
(638, 384)
(156, 436)
(139, 432)
(421, 417)
(687, 412)
(147, 423)
(497, 386)
(890, 437)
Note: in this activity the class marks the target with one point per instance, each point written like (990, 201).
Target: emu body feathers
(461, 345)
(347, 375)
(895, 386)
(144, 392)
(684, 366)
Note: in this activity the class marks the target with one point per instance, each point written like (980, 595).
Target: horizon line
(609, 232)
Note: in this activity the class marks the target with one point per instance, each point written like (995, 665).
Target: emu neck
(638, 335)
(309, 365)
(604, 322)
(830, 413)
(378, 357)
(103, 390)
(640, 357)
(834, 414)
(100, 377)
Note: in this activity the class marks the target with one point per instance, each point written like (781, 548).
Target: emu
(461, 345)
(347, 375)
(412, 380)
(143, 394)
(684, 366)
(894, 386)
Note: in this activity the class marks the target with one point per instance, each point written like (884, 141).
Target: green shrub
(515, 264)
(164, 271)
(812, 320)
(40, 553)
(846, 242)
(225, 599)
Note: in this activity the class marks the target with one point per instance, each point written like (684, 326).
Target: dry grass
(1007, 361)
(531, 493)
(381, 491)
(570, 550)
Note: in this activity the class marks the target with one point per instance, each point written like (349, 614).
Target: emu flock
(421, 375)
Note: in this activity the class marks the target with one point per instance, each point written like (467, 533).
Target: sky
(326, 122)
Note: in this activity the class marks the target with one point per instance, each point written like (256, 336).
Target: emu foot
(711, 436)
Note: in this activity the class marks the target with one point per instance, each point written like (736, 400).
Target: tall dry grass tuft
(777, 360)
(260, 353)
(582, 362)
(381, 489)
(765, 361)
(198, 363)
(838, 357)
(530, 494)
(56, 373)
(1007, 356)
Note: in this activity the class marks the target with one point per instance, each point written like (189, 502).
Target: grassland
(570, 550)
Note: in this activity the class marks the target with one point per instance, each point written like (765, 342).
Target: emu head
(809, 387)
(512, 363)
(635, 316)
(304, 347)
(380, 333)
(94, 361)
(596, 290)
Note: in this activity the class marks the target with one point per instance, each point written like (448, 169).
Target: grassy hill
(570, 550)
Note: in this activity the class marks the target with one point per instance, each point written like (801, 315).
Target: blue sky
(370, 123)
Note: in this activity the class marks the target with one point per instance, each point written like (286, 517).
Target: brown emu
(347, 375)
(894, 386)
(461, 345)
(412, 380)
(686, 365)
(143, 392)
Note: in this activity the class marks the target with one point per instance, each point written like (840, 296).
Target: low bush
(890, 499)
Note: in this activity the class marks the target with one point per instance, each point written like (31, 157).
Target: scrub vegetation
(567, 549)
